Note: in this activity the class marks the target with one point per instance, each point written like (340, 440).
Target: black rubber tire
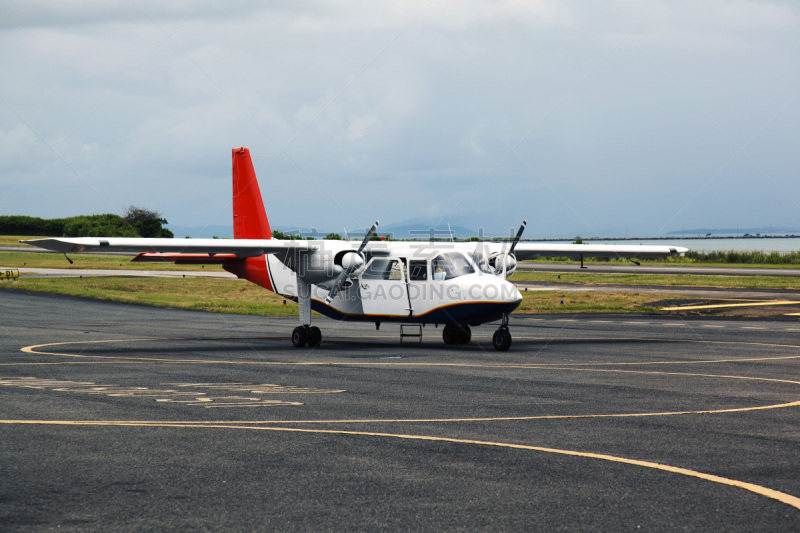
(299, 336)
(501, 340)
(314, 337)
(450, 334)
(464, 334)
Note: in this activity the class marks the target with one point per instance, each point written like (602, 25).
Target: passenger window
(418, 270)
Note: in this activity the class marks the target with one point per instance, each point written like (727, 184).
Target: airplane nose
(510, 295)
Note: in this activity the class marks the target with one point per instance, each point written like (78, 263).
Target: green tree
(25, 225)
(147, 223)
(106, 225)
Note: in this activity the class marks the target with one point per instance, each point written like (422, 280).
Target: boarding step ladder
(410, 330)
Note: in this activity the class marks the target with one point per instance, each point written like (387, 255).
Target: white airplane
(455, 284)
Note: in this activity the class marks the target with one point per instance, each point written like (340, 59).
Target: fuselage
(398, 282)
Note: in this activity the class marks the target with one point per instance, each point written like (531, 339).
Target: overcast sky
(586, 118)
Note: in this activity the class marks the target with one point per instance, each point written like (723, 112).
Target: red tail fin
(249, 217)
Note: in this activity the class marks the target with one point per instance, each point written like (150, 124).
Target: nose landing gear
(502, 337)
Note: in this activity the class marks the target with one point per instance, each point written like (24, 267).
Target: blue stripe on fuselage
(472, 313)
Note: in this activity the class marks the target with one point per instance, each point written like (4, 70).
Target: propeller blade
(367, 237)
(337, 286)
(519, 234)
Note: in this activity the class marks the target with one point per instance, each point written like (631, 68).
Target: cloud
(358, 126)
(448, 15)
(617, 111)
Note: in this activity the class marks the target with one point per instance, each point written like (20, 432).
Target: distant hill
(423, 231)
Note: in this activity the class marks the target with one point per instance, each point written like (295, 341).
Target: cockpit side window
(395, 271)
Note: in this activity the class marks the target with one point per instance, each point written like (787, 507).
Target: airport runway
(127, 417)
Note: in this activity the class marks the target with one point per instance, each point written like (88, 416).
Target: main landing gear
(306, 335)
(502, 338)
(456, 334)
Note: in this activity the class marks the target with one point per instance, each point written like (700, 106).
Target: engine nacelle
(352, 261)
(348, 261)
(500, 260)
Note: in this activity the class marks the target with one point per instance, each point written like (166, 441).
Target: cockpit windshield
(483, 264)
(451, 265)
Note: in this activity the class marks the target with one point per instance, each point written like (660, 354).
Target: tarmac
(126, 417)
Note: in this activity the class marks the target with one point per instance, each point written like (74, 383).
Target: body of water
(765, 245)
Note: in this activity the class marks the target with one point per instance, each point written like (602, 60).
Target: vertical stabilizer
(249, 217)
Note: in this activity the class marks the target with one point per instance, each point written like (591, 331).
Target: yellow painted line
(92, 359)
(792, 314)
(188, 423)
(649, 372)
(782, 497)
(718, 306)
(408, 420)
(711, 326)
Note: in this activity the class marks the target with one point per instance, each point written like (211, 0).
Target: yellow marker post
(9, 273)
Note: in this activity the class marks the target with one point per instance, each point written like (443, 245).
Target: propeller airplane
(456, 284)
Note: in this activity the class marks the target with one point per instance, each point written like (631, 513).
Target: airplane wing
(240, 248)
(532, 250)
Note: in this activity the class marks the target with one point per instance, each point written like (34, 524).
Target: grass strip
(241, 297)
(589, 302)
(91, 262)
(200, 294)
